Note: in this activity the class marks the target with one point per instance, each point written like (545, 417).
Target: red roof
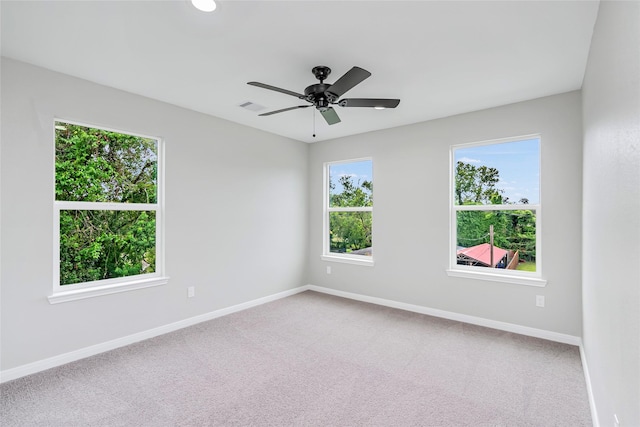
(482, 253)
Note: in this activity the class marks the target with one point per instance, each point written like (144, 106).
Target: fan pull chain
(314, 121)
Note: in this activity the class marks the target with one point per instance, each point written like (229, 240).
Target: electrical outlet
(191, 291)
(328, 269)
(539, 300)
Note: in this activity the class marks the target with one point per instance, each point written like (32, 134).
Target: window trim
(482, 273)
(327, 255)
(76, 291)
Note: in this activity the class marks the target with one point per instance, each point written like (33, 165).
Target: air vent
(252, 106)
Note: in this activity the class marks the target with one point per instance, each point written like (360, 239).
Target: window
(107, 212)
(348, 218)
(496, 211)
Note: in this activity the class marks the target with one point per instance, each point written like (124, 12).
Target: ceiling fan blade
(369, 102)
(284, 109)
(277, 89)
(348, 81)
(330, 116)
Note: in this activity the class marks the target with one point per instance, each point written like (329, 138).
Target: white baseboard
(52, 362)
(494, 324)
(587, 378)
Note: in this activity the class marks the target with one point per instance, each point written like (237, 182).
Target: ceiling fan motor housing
(316, 95)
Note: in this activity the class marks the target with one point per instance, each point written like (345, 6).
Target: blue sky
(518, 163)
(360, 171)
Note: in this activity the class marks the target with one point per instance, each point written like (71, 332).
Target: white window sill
(479, 275)
(361, 260)
(66, 296)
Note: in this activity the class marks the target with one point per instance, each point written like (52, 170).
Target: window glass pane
(514, 239)
(504, 173)
(95, 165)
(96, 245)
(351, 184)
(350, 232)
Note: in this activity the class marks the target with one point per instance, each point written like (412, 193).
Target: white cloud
(468, 160)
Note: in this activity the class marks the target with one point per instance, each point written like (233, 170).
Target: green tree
(358, 194)
(350, 231)
(477, 185)
(522, 233)
(94, 165)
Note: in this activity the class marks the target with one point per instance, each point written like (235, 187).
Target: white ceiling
(440, 58)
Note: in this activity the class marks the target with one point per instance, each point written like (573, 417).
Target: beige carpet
(313, 360)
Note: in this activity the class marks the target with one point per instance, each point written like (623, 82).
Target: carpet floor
(313, 360)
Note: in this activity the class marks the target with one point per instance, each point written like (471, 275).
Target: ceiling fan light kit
(323, 95)
(204, 5)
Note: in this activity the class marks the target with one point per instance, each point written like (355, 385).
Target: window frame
(494, 274)
(75, 291)
(327, 255)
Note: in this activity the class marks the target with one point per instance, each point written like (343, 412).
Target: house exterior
(480, 255)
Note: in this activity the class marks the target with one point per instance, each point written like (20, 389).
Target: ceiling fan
(323, 95)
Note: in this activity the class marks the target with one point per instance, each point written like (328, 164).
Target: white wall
(411, 215)
(236, 214)
(611, 213)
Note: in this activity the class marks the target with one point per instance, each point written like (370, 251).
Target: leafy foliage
(513, 230)
(94, 165)
(350, 231)
(358, 194)
(477, 185)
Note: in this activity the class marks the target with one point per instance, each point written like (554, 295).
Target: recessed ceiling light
(204, 5)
